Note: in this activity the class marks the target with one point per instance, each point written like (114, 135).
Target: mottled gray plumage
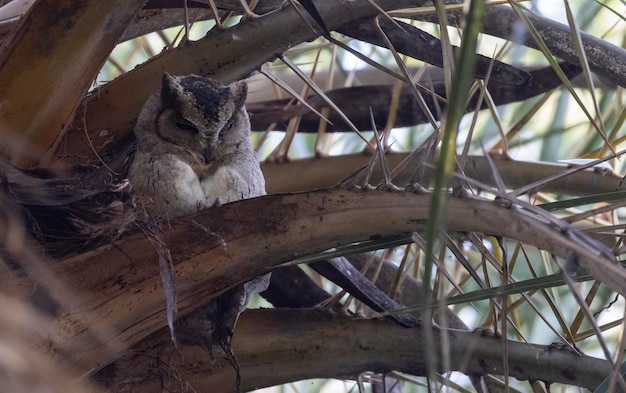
(193, 148)
(194, 151)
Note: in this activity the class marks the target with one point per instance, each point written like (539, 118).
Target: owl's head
(202, 115)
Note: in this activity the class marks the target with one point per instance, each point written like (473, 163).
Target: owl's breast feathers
(179, 184)
(231, 183)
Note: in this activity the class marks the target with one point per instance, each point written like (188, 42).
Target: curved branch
(605, 59)
(111, 298)
(282, 345)
(226, 54)
(324, 172)
(358, 103)
(69, 40)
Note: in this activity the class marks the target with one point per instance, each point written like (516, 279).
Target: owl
(194, 151)
(193, 147)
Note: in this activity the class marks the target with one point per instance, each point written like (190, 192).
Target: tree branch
(111, 298)
(282, 345)
(47, 66)
(324, 172)
(605, 59)
(358, 103)
(226, 55)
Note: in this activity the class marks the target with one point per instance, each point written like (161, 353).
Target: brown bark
(282, 345)
(324, 172)
(604, 58)
(226, 55)
(357, 102)
(47, 66)
(111, 298)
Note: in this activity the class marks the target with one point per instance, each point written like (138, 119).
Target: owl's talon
(218, 202)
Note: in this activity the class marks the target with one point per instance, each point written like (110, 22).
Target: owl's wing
(166, 186)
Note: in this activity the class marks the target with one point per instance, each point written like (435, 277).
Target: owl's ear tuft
(239, 92)
(170, 89)
(168, 82)
(167, 78)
